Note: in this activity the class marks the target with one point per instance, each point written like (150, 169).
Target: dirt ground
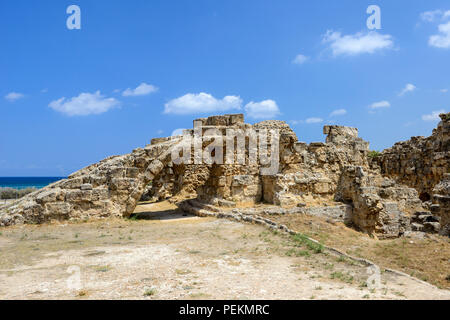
(169, 255)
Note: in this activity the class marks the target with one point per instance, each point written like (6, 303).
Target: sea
(27, 182)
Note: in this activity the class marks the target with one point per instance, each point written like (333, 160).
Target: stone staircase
(425, 222)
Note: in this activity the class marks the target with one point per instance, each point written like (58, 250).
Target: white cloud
(142, 90)
(381, 104)
(441, 40)
(339, 112)
(201, 103)
(313, 120)
(177, 132)
(85, 104)
(434, 116)
(408, 88)
(444, 90)
(13, 96)
(266, 109)
(431, 16)
(300, 59)
(358, 43)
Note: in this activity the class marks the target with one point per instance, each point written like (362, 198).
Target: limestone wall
(420, 162)
(441, 203)
(381, 207)
(305, 173)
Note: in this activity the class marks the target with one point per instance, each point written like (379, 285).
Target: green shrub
(301, 239)
(374, 154)
(10, 193)
(149, 292)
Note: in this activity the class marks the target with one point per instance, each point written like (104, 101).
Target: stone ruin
(405, 188)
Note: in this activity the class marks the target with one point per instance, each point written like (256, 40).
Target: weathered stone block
(226, 203)
(141, 162)
(132, 172)
(155, 167)
(432, 227)
(48, 196)
(148, 176)
(115, 172)
(72, 183)
(322, 187)
(79, 195)
(100, 194)
(58, 209)
(235, 119)
(242, 180)
(86, 186)
(123, 183)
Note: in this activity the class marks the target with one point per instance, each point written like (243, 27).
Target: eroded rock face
(381, 207)
(420, 162)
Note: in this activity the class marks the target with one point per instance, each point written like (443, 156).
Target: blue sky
(140, 69)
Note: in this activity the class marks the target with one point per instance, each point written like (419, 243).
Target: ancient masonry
(404, 189)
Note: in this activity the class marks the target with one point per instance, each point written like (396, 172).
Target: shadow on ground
(159, 211)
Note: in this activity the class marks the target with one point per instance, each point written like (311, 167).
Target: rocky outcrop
(423, 164)
(381, 207)
(420, 162)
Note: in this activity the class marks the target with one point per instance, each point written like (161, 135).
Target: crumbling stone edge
(205, 210)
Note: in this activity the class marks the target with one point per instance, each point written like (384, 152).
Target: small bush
(82, 293)
(10, 193)
(149, 292)
(134, 217)
(374, 154)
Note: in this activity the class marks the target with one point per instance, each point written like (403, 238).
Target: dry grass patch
(427, 259)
